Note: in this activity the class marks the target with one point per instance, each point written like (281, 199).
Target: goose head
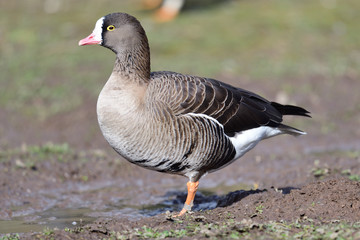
(118, 32)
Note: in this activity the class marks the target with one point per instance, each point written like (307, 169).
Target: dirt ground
(312, 179)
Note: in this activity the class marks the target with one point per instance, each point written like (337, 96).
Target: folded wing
(235, 108)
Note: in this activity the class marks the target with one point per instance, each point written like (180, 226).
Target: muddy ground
(60, 175)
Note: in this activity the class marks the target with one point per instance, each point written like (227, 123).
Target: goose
(168, 10)
(176, 123)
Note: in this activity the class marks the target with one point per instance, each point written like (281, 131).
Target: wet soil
(86, 187)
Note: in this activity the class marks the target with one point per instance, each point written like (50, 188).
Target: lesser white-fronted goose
(176, 123)
(168, 10)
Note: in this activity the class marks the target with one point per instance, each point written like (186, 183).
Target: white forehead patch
(98, 29)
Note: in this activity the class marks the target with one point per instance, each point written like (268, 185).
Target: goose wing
(235, 108)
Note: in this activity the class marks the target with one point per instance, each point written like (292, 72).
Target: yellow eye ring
(111, 28)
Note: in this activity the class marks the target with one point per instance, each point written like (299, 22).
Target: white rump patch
(98, 29)
(246, 140)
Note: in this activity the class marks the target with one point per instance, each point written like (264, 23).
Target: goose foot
(192, 188)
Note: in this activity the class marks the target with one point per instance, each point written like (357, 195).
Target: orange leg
(192, 188)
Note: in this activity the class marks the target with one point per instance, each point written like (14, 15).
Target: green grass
(31, 158)
(297, 230)
(322, 171)
(47, 231)
(259, 209)
(44, 72)
(262, 39)
(28, 156)
(13, 236)
(304, 229)
(246, 229)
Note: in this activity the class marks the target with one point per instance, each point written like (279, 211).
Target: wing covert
(235, 108)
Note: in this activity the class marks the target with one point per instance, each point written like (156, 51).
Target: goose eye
(111, 28)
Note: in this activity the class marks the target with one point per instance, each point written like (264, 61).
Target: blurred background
(299, 52)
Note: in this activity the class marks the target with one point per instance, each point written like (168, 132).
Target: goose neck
(134, 64)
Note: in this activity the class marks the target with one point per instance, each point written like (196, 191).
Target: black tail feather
(291, 110)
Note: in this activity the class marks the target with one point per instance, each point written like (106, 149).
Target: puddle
(62, 209)
(70, 218)
(52, 218)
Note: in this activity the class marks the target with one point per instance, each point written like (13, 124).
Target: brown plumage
(176, 123)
